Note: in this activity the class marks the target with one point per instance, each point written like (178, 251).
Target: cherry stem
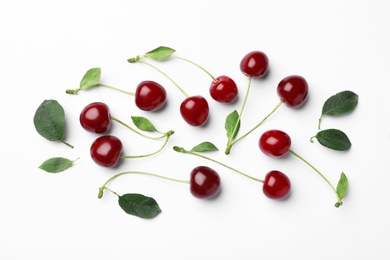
(138, 59)
(197, 65)
(103, 187)
(168, 135)
(230, 144)
(141, 134)
(117, 89)
(322, 176)
(182, 150)
(68, 144)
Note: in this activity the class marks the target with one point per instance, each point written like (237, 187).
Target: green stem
(138, 59)
(117, 89)
(229, 143)
(137, 132)
(261, 122)
(103, 187)
(149, 154)
(68, 144)
(182, 150)
(322, 176)
(197, 65)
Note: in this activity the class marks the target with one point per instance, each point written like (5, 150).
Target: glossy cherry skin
(275, 143)
(276, 185)
(195, 110)
(205, 183)
(293, 90)
(150, 96)
(224, 89)
(106, 151)
(254, 64)
(96, 118)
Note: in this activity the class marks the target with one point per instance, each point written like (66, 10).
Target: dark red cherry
(205, 183)
(106, 150)
(293, 90)
(254, 64)
(150, 96)
(195, 110)
(224, 89)
(275, 143)
(276, 185)
(95, 118)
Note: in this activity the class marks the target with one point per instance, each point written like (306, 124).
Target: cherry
(95, 118)
(275, 143)
(276, 185)
(254, 64)
(195, 110)
(205, 183)
(223, 89)
(106, 150)
(293, 90)
(150, 96)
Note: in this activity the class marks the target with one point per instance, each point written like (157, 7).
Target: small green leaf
(334, 139)
(160, 53)
(230, 124)
(139, 205)
(143, 124)
(49, 120)
(204, 147)
(56, 164)
(91, 78)
(339, 104)
(342, 186)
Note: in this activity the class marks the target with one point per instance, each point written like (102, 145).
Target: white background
(47, 46)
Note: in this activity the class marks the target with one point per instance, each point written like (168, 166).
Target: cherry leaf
(339, 104)
(204, 147)
(334, 139)
(139, 205)
(143, 124)
(56, 164)
(230, 124)
(342, 186)
(160, 53)
(91, 78)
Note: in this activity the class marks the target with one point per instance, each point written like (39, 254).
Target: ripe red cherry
(95, 118)
(293, 90)
(275, 143)
(205, 183)
(254, 64)
(224, 89)
(150, 96)
(276, 185)
(106, 151)
(195, 110)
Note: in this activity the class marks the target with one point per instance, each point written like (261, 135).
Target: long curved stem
(149, 154)
(137, 132)
(117, 89)
(103, 187)
(162, 72)
(197, 65)
(322, 176)
(182, 150)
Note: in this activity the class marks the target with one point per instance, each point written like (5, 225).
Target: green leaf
(231, 121)
(339, 104)
(139, 205)
(342, 186)
(204, 147)
(143, 124)
(160, 53)
(56, 164)
(334, 139)
(49, 120)
(91, 78)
